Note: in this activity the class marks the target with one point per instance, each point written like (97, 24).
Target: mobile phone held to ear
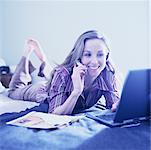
(78, 62)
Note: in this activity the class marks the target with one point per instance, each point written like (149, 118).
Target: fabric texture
(86, 134)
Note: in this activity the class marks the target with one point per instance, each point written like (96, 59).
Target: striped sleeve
(111, 98)
(57, 94)
(112, 95)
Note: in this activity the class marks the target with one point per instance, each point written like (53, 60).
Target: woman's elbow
(60, 111)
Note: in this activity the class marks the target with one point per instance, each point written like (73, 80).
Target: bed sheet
(21, 138)
(8, 105)
(69, 137)
(86, 134)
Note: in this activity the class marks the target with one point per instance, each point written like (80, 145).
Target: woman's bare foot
(34, 45)
(27, 49)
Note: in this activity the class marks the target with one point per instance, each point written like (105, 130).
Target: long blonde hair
(77, 51)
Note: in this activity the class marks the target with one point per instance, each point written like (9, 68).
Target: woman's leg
(35, 46)
(21, 77)
(22, 73)
(19, 86)
(45, 68)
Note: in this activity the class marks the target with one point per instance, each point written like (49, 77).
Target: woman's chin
(94, 72)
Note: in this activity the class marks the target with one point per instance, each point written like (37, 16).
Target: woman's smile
(93, 67)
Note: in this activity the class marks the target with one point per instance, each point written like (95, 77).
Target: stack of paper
(44, 120)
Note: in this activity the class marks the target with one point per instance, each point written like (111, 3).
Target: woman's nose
(94, 60)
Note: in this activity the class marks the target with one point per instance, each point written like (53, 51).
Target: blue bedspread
(86, 134)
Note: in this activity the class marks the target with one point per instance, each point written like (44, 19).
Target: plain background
(57, 25)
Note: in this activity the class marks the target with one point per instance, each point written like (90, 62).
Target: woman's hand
(114, 106)
(78, 76)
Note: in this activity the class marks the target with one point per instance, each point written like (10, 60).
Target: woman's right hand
(78, 76)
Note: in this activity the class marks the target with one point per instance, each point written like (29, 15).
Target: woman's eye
(100, 55)
(87, 55)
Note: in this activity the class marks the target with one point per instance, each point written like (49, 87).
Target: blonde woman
(77, 84)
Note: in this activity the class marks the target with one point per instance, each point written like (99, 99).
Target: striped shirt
(61, 87)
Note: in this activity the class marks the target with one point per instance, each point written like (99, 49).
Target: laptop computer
(134, 105)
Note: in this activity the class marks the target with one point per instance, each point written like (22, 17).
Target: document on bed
(42, 120)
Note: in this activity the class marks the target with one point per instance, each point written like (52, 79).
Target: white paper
(44, 120)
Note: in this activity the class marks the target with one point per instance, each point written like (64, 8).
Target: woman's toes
(34, 45)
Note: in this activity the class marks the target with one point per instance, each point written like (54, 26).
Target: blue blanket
(85, 134)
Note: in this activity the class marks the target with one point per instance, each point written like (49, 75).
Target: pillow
(2, 88)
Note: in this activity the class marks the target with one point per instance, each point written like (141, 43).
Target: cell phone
(78, 62)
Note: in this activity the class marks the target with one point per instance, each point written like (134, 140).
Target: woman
(77, 84)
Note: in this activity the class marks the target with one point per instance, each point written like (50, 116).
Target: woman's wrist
(76, 92)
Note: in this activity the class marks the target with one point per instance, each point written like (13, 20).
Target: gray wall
(58, 24)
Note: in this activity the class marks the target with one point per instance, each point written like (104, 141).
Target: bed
(84, 134)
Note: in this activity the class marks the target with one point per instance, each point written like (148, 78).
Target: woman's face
(94, 56)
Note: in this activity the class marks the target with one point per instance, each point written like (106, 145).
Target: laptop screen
(135, 100)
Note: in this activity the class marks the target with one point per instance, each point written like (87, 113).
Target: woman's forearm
(68, 106)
